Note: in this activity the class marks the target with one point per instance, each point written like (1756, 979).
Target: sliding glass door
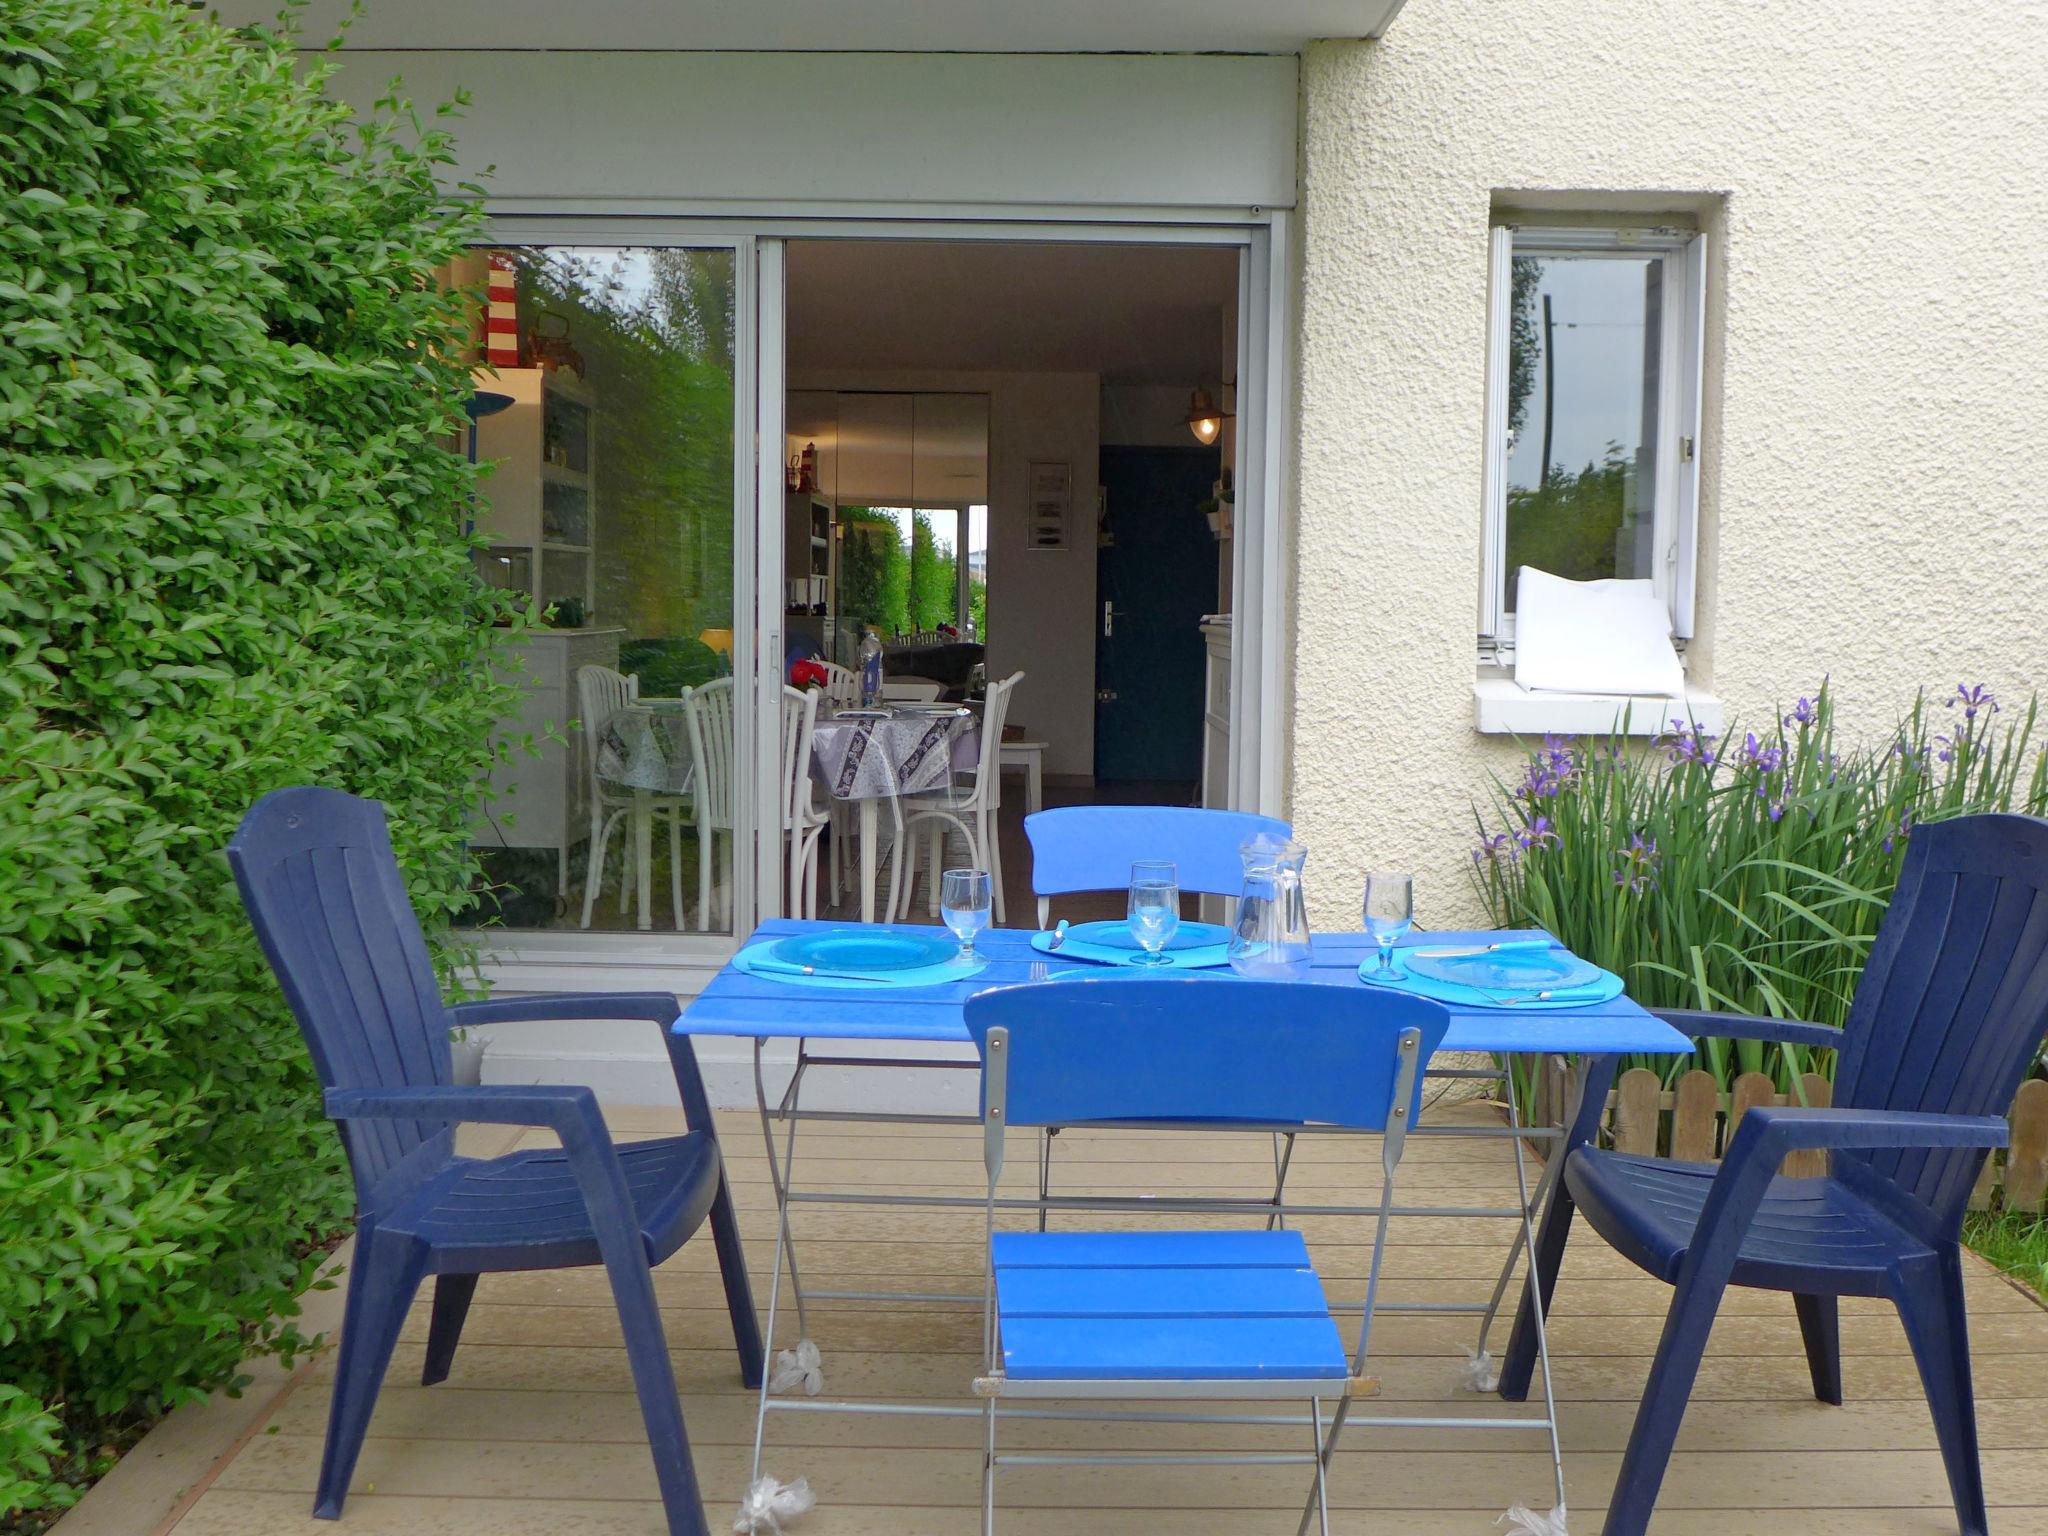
(612, 386)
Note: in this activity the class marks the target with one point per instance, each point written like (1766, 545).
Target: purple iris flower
(1637, 871)
(1904, 827)
(1537, 832)
(1494, 849)
(1688, 746)
(1764, 757)
(1974, 698)
(1805, 712)
(1552, 770)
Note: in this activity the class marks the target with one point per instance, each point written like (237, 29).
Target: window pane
(610, 500)
(1583, 341)
(977, 573)
(900, 568)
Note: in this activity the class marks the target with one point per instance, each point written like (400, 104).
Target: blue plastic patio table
(761, 1008)
(926, 1019)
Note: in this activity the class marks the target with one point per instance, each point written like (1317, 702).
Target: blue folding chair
(324, 894)
(1092, 847)
(1182, 1315)
(1948, 1018)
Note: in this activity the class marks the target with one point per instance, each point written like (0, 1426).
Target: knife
(776, 968)
(1458, 951)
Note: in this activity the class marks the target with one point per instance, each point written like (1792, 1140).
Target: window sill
(1502, 707)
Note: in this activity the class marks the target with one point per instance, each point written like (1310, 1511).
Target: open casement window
(1593, 407)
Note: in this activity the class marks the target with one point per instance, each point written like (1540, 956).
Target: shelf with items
(538, 505)
(807, 554)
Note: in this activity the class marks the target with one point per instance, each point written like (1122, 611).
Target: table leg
(1582, 1123)
(1034, 782)
(643, 856)
(869, 826)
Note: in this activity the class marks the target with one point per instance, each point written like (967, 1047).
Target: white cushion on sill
(1594, 637)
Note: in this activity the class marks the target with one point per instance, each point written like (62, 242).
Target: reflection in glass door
(606, 409)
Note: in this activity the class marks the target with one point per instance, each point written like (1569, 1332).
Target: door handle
(1108, 619)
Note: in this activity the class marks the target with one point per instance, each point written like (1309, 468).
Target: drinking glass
(964, 896)
(1389, 909)
(1154, 907)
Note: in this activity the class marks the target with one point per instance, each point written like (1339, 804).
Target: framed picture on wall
(1051, 492)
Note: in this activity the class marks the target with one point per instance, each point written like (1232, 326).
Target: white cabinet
(541, 798)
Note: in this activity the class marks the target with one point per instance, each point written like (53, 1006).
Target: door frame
(1261, 595)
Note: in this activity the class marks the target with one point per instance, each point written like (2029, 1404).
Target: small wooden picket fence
(1693, 1121)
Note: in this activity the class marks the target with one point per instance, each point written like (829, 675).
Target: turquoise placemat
(759, 960)
(1194, 946)
(1605, 988)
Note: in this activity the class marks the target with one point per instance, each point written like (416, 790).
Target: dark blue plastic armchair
(323, 891)
(1947, 1019)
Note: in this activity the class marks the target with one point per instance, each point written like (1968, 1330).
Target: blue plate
(1515, 968)
(1192, 947)
(864, 952)
(1110, 934)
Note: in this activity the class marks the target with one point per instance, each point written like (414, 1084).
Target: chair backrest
(995, 709)
(842, 686)
(712, 736)
(1953, 1003)
(1092, 847)
(1121, 1047)
(799, 717)
(600, 694)
(911, 690)
(322, 890)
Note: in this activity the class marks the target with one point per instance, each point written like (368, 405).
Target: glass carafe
(1270, 938)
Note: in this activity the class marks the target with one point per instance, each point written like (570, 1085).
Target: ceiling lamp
(1203, 418)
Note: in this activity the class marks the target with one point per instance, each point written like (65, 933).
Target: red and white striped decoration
(501, 316)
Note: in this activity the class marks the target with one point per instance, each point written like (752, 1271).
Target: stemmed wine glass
(1154, 907)
(964, 897)
(1389, 909)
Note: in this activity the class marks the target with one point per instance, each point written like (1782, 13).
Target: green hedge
(230, 559)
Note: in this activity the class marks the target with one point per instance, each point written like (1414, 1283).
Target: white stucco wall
(1872, 175)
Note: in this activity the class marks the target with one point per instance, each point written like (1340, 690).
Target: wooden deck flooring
(537, 1432)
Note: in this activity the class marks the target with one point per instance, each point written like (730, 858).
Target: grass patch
(2016, 1241)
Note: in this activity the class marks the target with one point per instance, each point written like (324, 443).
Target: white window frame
(1682, 256)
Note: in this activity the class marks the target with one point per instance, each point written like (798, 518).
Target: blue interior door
(1155, 578)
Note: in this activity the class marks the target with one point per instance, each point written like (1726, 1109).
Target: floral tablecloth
(647, 746)
(903, 755)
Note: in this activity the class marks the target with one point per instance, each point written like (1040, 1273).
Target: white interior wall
(1041, 603)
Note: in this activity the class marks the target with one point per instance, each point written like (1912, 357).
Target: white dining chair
(711, 744)
(601, 693)
(970, 810)
(842, 691)
(842, 686)
(803, 820)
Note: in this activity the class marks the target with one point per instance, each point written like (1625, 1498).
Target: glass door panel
(611, 500)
